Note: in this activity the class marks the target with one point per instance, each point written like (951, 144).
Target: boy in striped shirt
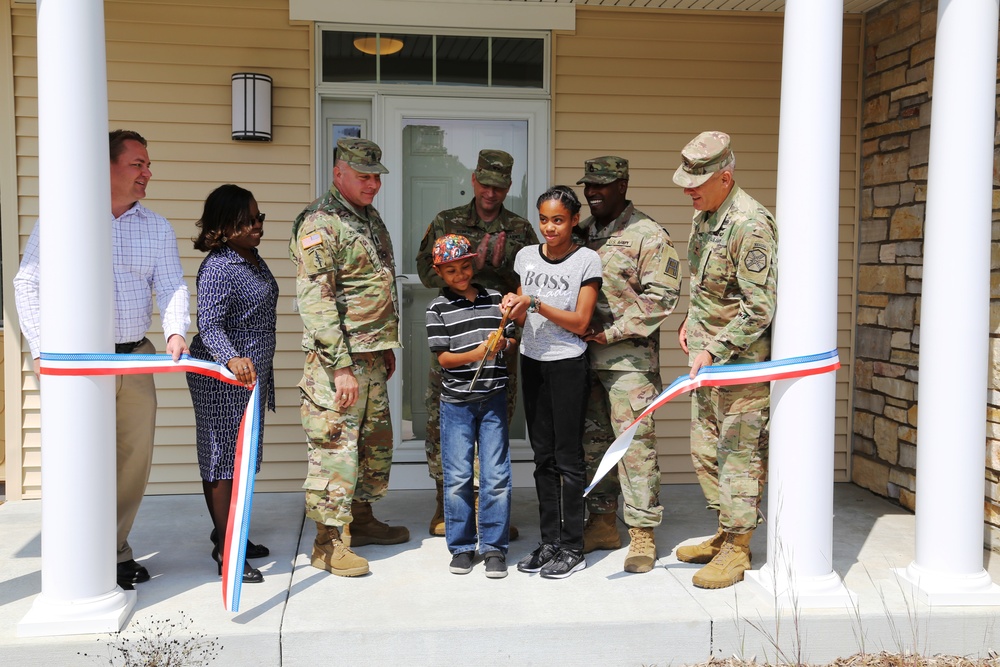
(459, 322)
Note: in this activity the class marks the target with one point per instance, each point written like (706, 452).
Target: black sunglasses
(260, 217)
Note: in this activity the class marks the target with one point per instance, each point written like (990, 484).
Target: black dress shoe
(253, 550)
(131, 572)
(251, 575)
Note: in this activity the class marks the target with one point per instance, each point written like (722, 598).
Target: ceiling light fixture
(383, 46)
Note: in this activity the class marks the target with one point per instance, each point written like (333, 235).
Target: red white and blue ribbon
(247, 442)
(718, 376)
(238, 530)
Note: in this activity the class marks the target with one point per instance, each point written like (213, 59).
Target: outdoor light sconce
(251, 107)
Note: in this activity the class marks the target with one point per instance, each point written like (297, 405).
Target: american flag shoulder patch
(311, 240)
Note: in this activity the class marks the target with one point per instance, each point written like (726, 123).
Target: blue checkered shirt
(145, 259)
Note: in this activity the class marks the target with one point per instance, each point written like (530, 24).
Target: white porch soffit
(507, 14)
(469, 14)
(850, 6)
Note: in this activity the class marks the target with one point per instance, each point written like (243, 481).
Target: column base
(100, 614)
(943, 589)
(824, 592)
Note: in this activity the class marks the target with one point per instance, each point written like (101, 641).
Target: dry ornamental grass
(882, 659)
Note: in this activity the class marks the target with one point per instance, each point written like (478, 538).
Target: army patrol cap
(361, 154)
(604, 170)
(494, 168)
(704, 155)
(451, 248)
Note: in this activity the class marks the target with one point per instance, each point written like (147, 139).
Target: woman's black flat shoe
(253, 550)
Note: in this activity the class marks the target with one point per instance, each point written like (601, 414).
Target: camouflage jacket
(464, 220)
(733, 255)
(344, 280)
(641, 273)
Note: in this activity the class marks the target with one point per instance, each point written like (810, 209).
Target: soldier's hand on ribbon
(498, 249)
(243, 369)
(345, 387)
(479, 261)
(703, 359)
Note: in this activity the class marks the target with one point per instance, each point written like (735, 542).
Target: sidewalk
(411, 611)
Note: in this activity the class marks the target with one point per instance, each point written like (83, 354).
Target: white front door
(430, 146)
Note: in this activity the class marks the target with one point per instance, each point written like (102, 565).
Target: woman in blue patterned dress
(237, 300)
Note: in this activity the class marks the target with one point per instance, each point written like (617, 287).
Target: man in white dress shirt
(145, 259)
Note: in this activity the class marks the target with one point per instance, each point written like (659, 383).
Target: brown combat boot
(601, 532)
(702, 552)
(365, 529)
(642, 550)
(331, 554)
(729, 565)
(437, 521)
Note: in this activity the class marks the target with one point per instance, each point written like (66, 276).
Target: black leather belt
(126, 348)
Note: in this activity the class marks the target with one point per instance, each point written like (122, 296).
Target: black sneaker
(534, 561)
(496, 565)
(564, 564)
(461, 563)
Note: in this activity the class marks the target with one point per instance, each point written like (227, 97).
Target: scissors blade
(478, 371)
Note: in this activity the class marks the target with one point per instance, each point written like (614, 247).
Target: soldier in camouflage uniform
(346, 289)
(498, 235)
(733, 254)
(641, 273)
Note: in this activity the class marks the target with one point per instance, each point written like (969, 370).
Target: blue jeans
(462, 426)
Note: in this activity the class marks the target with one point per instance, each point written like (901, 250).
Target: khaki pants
(135, 403)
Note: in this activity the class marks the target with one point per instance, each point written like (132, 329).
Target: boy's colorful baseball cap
(452, 248)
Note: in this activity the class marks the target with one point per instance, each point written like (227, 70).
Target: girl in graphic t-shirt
(559, 285)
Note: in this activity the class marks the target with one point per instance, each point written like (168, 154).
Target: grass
(882, 659)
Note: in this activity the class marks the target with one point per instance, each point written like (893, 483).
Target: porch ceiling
(850, 6)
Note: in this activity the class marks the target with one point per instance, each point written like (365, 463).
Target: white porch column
(800, 479)
(954, 311)
(79, 589)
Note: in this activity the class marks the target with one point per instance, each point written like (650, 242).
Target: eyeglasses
(260, 217)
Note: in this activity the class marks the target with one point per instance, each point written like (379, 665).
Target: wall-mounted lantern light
(251, 107)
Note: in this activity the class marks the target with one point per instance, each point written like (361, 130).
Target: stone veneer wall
(898, 66)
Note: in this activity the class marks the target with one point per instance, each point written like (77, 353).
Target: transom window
(437, 60)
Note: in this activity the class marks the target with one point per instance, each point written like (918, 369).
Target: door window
(438, 158)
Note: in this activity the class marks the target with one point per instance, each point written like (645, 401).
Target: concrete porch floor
(411, 611)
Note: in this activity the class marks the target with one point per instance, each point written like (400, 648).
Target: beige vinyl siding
(169, 69)
(640, 84)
